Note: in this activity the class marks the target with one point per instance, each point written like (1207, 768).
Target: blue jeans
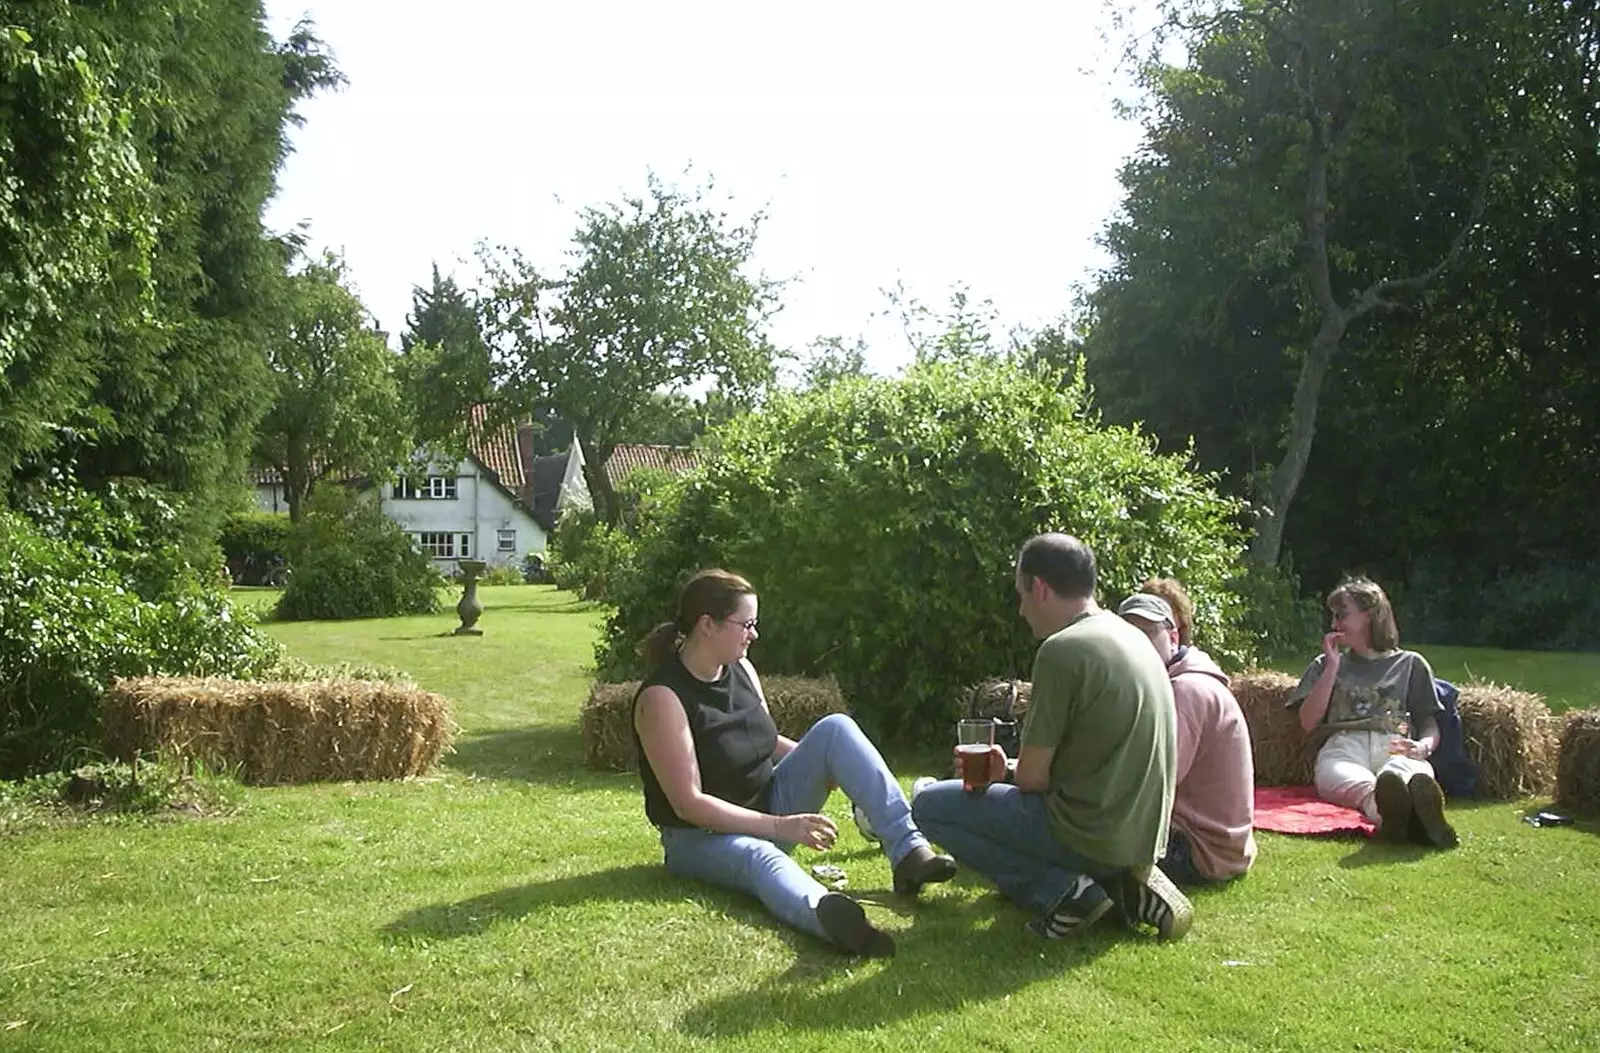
(1178, 863)
(1004, 834)
(834, 751)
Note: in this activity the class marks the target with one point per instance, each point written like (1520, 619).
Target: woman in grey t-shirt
(1376, 706)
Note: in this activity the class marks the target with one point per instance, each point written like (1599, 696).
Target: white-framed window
(506, 541)
(445, 545)
(433, 488)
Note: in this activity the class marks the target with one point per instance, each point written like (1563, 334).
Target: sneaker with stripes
(1083, 905)
(1150, 898)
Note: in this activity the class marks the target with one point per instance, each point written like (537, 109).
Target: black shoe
(1150, 898)
(1083, 905)
(1394, 807)
(846, 924)
(1427, 809)
(922, 866)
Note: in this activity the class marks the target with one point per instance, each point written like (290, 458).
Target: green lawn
(515, 901)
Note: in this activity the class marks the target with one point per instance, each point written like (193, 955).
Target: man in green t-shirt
(1082, 817)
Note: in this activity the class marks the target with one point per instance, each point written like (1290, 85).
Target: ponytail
(713, 593)
(658, 646)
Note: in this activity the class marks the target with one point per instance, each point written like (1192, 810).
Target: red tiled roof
(496, 451)
(626, 459)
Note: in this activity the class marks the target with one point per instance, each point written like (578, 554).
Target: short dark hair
(1062, 562)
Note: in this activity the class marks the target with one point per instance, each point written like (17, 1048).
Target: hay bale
(1284, 754)
(1578, 763)
(274, 732)
(607, 727)
(1511, 736)
(606, 720)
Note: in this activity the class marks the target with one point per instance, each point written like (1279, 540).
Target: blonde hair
(1369, 596)
(1178, 599)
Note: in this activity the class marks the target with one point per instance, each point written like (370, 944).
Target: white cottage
(499, 503)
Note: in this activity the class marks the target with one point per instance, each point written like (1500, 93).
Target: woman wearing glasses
(732, 797)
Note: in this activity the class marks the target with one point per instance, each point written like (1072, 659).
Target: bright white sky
(888, 142)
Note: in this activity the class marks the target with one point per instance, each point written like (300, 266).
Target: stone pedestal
(470, 608)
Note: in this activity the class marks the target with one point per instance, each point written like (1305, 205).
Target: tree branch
(1374, 295)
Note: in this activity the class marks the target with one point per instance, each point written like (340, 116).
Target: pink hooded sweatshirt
(1215, 802)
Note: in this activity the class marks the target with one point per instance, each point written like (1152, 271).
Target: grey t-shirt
(1369, 691)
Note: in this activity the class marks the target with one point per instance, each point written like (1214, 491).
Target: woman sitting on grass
(731, 796)
(1369, 701)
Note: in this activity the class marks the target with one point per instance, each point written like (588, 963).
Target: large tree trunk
(606, 505)
(1267, 544)
(296, 476)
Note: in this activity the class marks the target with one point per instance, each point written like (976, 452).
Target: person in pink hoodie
(1212, 836)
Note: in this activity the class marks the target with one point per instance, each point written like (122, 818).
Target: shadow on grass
(641, 883)
(545, 754)
(932, 972)
(541, 601)
(1378, 853)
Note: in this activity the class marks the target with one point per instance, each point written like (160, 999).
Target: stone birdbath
(470, 607)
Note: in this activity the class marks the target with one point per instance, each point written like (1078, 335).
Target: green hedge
(880, 520)
(351, 561)
(92, 588)
(255, 538)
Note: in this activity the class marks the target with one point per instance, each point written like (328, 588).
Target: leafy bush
(149, 788)
(594, 559)
(351, 561)
(290, 668)
(1278, 621)
(88, 592)
(502, 574)
(254, 541)
(587, 556)
(1548, 602)
(880, 520)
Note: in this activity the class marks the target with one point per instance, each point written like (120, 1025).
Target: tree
(829, 360)
(444, 363)
(337, 408)
(76, 235)
(672, 418)
(1312, 167)
(657, 300)
(141, 143)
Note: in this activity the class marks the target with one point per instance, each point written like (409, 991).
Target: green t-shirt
(1103, 702)
(1369, 691)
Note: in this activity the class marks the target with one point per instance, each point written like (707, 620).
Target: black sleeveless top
(734, 738)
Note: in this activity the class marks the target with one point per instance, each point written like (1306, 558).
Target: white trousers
(1349, 763)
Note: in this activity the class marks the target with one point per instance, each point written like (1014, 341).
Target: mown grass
(515, 901)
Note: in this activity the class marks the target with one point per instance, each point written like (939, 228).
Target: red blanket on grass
(1298, 810)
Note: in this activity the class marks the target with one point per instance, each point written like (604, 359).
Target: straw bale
(1511, 736)
(273, 732)
(1284, 755)
(607, 717)
(1578, 763)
